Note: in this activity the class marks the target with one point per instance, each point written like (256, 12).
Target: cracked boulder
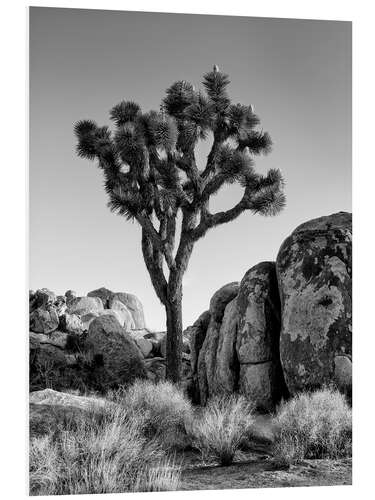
(260, 375)
(314, 268)
(133, 304)
(207, 359)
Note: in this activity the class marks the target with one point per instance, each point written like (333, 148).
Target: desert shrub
(161, 410)
(102, 452)
(313, 425)
(220, 427)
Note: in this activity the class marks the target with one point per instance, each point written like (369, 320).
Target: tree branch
(157, 242)
(209, 220)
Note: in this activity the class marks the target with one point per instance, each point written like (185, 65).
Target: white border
(14, 146)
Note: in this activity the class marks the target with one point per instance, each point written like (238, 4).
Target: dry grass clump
(218, 429)
(313, 425)
(164, 476)
(161, 410)
(99, 453)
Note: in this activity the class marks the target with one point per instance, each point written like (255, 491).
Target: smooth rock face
(197, 334)
(314, 275)
(258, 333)
(85, 305)
(206, 368)
(343, 373)
(125, 316)
(226, 376)
(89, 317)
(103, 293)
(221, 298)
(133, 304)
(117, 359)
(44, 320)
(145, 346)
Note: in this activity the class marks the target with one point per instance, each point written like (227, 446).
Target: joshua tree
(151, 176)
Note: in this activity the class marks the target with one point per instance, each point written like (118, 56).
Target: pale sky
(296, 73)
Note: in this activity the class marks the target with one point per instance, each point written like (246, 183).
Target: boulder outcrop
(258, 333)
(285, 328)
(206, 366)
(88, 343)
(315, 279)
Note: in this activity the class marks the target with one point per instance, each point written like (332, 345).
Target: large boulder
(133, 304)
(196, 335)
(44, 319)
(314, 269)
(104, 294)
(125, 316)
(258, 332)
(225, 380)
(117, 359)
(42, 298)
(83, 306)
(50, 409)
(206, 368)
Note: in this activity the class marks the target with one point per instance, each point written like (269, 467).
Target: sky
(297, 75)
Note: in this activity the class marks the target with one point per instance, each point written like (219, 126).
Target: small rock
(70, 295)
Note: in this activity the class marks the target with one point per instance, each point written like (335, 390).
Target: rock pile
(95, 342)
(284, 328)
(287, 326)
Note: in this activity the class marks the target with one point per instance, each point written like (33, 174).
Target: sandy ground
(255, 468)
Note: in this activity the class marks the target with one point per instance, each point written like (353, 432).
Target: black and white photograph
(190, 252)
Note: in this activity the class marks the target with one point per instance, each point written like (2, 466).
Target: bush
(98, 453)
(313, 425)
(220, 427)
(161, 410)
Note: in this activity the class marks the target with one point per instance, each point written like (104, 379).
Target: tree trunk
(174, 339)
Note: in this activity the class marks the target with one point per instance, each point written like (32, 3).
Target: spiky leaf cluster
(149, 162)
(124, 112)
(179, 96)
